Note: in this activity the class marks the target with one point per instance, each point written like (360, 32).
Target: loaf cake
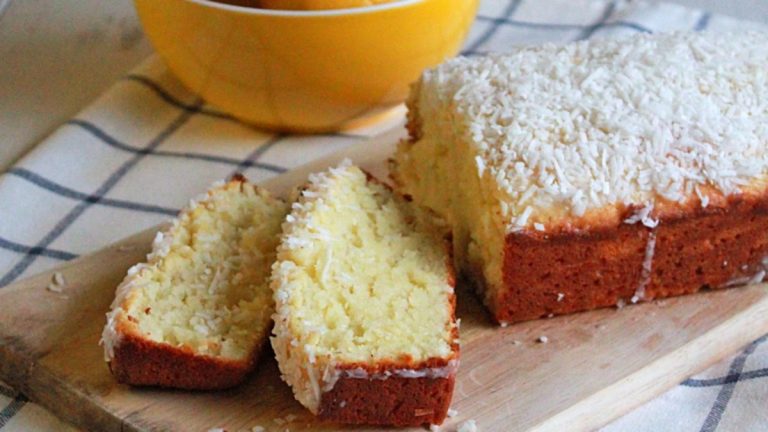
(197, 313)
(597, 173)
(365, 331)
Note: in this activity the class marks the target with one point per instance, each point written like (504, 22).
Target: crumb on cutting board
(468, 426)
(58, 283)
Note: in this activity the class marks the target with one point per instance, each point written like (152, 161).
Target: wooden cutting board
(595, 367)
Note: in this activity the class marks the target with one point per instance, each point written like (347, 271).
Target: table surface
(56, 57)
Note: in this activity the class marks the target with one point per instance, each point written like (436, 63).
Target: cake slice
(365, 330)
(597, 173)
(197, 313)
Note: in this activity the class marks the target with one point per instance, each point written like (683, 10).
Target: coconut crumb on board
(58, 283)
(468, 426)
(452, 413)
(280, 421)
(217, 430)
(258, 429)
(434, 428)
(473, 378)
(542, 339)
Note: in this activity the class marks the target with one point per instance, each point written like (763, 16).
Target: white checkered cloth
(135, 155)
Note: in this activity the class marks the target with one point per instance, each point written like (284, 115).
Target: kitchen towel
(133, 157)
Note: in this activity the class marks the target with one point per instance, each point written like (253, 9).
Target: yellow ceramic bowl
(305, 71)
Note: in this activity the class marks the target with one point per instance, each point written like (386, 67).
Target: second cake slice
(365, 329)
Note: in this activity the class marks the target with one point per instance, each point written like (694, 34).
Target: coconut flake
(468, 426)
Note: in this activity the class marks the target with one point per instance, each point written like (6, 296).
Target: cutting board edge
(73, 405)
(729, 330)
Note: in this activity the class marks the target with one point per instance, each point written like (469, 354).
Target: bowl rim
(396, 4)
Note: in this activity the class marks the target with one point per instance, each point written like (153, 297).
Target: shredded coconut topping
(644, 216)
(621, 121)
(645, 274)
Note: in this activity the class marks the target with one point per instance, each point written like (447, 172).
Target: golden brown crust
(394, 401)
(694, 249)
(143, 362)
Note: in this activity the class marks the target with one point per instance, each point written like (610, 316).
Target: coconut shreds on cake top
(628, 120)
